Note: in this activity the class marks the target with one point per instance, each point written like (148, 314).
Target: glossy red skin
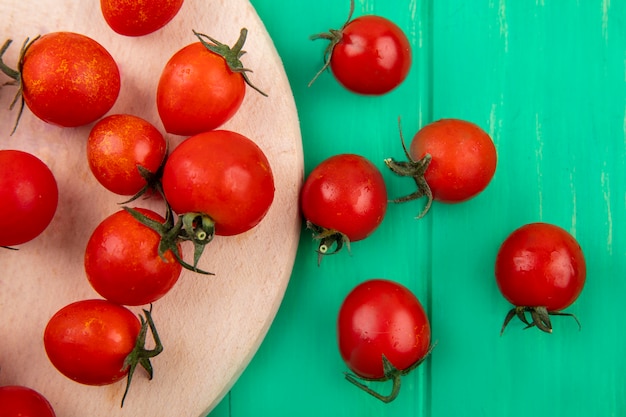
(119, 143)
(222, 174)
(138, 17)
(122, 260)
(381, 317)
(463, 158)
(373, 56)
(29, 197)
(88, 340)
(19, 401)
(540, 265)
(69, 79)
(346, 193)
(197, 91)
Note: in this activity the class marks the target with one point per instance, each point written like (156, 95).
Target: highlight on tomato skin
(344, 200)
(383, 333)
(541, 269)
(450, 160)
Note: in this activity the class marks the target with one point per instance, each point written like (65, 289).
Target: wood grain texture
(210, 326)
(547, 80)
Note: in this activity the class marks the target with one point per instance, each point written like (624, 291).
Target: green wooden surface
(547, 80)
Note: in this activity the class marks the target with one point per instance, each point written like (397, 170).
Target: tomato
(66, 78)
(122, 146)
(97, 342)
(383, 332)
(29, 195)
(20, 401)
(223, 175)
(202, 86)
(343, 199)
(540, 268)
(123, 262)
(451, 161)
(369, 55)
(138, 17)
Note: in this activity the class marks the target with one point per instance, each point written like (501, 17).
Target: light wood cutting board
(210, 326)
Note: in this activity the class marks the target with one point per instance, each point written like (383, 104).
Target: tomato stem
(16, 75)
(415, 170)
(232, 56)
(328, 238)
(334, 36)
(540, 317)
(140, 355)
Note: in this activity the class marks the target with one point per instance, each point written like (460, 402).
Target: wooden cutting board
(210, 326)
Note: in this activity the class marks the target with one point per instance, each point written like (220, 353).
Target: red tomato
(118, 145)
(344, 199)
(370, 55)
(97, 342)
(19, 401)
(67, 79)
(29, 196)
(202, 86)
(540, 268)
(451, 161)
(138, 17)
(381, 318)
(123, 262)
(223, 175)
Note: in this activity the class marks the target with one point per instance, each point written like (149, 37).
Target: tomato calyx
(16, 75)
(195, 227)
(153, 183)
(540, 317)
(140, 355)
(390, 372)
(416, 170)
(334, 36)
(331, 241)
(232, 55)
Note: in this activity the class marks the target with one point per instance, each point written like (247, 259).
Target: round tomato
(67, 79)
(451, 161)
(138, 17)
(123, 261)
(97, 342)
(19, 401)
(202, 86)
(540, 268)
(29, 195)
(369, 55)
(125, 153)
(343, 199)
(223, 175)
(383, 332)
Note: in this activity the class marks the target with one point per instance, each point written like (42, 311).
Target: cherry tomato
(138, 17)
(202, 86)
(97, 342)
(540, 268)
(383, 332)
(122, 146)
(67, 79)
(451, 160)
(369, 55)
(343, 199)
(29, 196)
(123, 262)
(223, 175)
(20, 401)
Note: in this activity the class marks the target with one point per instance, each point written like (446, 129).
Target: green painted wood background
(547, 80)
